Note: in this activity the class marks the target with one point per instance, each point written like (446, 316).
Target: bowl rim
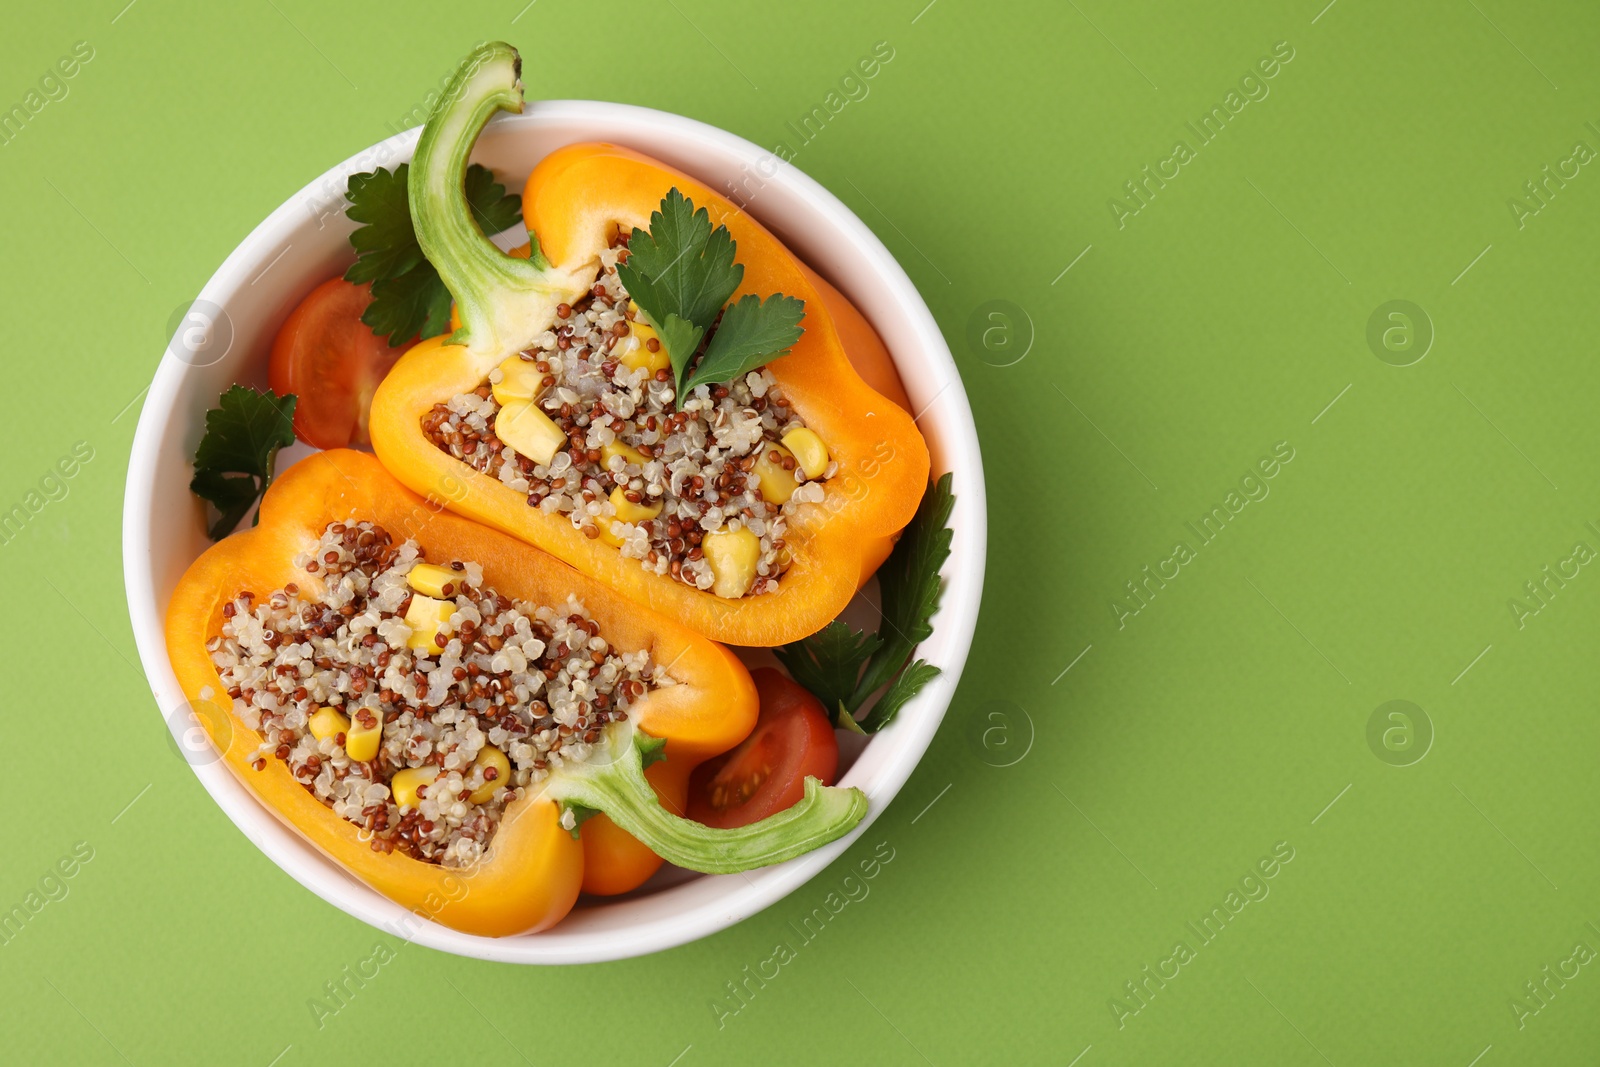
(911, 734)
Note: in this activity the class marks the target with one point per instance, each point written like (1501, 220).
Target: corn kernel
(520, 380)
(427, 617)
(529, 431)
(808, 450)
(636, 348)
(328, 722)
(430, 579)
(628, 511)
(732, 555)
(361, 742)
(488, 757)
(404, 784)
(777, 484)
(603, 524)
(627, 452)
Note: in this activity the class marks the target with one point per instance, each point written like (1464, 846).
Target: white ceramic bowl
(304, 242)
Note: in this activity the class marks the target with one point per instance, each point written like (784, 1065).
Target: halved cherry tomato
(793, 739)
(333, 362)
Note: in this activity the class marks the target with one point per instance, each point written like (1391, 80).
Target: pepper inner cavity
(585, 424)
(413, 700)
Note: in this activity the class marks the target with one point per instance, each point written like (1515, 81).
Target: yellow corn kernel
(520, 380)
(529, 431)
(628, 511)
(643, 357)
(430, 579)
(809, 451)
(404, 784)
(627, 452)
(427, 617)
(328, 722)
(603, 524)
(636, 348)
(732, 555)
(491, 757)
(777, 484)
(360, 742)
(642, 330)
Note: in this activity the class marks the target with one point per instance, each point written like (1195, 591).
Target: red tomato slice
(333, 362)
(793, 740)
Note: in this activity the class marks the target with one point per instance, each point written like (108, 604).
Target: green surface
(1231, 713)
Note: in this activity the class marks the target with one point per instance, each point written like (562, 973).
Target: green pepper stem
(613, 782)
(503, 302)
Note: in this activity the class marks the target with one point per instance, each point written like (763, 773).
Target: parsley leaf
(681, 273)
(385, 244)
(829, 662)
(408, 298)
(493, 208)
(680, 335)
(231, 494)
(910, 586)
(234, 464)
(901, 690)
(414, 304)
(843, 666)
(752, 332)
(681, 267)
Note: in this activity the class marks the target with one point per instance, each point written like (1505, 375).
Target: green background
(1066, 823)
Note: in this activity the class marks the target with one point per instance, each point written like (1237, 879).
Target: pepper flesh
(575, 200)
(535, 867)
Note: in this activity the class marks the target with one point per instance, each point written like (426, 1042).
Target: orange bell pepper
(534, 868)
(575, 200)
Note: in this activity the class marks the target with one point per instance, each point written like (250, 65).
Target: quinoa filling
(457, 702)
(701, 461)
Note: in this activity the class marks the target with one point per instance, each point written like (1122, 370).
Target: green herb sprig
(844, 666)
(681, 274)
(408, 298)
(234, 464)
